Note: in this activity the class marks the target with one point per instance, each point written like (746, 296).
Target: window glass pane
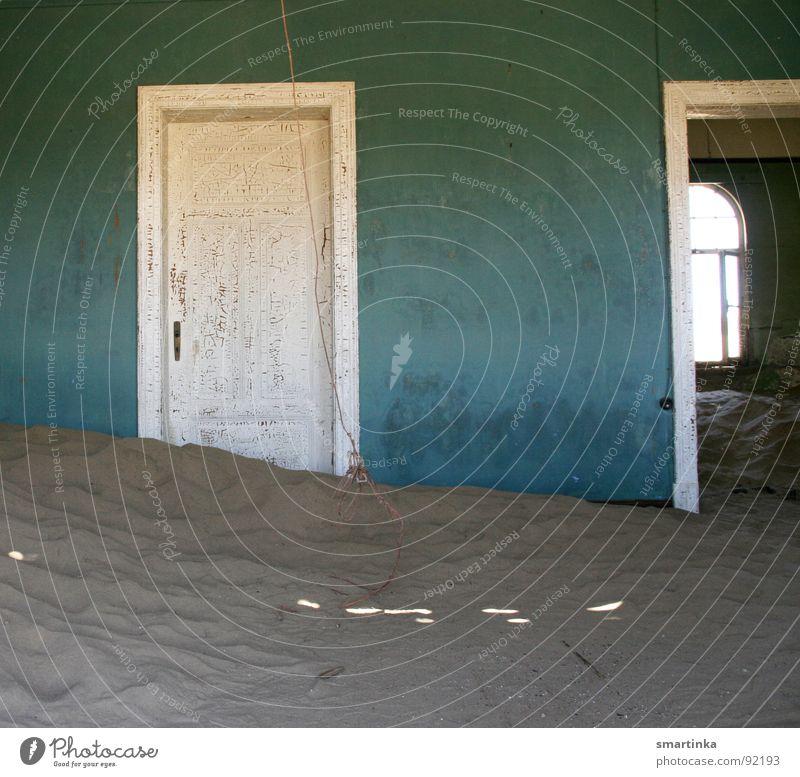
(732, 279)
(734, 346)
(713, 221)
(714, 233)
(707, 306)
(707, 202)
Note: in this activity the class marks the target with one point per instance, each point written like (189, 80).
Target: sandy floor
(749, 441)
(112, 618)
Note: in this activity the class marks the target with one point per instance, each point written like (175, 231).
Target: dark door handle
(176, 340)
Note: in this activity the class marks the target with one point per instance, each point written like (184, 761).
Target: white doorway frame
(684, 100)
(214, 103)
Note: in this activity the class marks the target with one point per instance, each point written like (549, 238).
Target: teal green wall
(477, 284)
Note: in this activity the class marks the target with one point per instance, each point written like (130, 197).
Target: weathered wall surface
(515, 229)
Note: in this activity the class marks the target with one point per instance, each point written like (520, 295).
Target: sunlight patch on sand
(605, 607)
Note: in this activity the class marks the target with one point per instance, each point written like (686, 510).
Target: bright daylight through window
(717, 240)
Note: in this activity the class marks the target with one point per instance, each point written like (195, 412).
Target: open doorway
(742, 103)
(744, 208)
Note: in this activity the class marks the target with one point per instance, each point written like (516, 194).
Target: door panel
(252, 376)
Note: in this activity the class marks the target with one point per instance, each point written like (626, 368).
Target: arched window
(717, 239)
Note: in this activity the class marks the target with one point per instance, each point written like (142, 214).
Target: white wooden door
(251, 374)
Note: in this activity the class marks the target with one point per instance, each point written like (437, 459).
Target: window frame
(722, 252)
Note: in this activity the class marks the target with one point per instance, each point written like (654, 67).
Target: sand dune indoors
(145, 584)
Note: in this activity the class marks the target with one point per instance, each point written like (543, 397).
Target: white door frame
(159, 105)
(685, 100)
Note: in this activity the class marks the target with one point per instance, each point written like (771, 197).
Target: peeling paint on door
(252, 377)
